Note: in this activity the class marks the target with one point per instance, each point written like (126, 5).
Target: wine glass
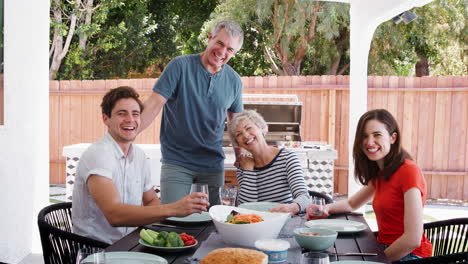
(228, 195)
(315, 258)
(315, 210)
(199, 187)
(91, 256)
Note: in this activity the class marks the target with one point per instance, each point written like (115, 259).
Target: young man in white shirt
(113, 189)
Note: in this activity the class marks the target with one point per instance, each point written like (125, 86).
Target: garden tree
(179, 24)
(435, 42)
(69, 20)
(116, 43)
(112, 38)
(286, 29)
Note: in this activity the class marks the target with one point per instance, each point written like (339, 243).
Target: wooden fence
(432, 113)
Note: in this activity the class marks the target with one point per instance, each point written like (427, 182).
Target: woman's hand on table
(193, 203)
(292, 208)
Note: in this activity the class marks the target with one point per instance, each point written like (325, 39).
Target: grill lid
(282, 113)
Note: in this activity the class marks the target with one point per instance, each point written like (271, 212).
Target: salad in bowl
(240, 226)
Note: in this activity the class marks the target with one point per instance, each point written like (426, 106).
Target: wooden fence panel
(432, 113)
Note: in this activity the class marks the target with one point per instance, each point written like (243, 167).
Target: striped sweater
(282, 181)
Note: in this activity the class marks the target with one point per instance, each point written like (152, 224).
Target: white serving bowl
(247, 234)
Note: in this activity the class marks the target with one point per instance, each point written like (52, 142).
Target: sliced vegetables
(165, 239)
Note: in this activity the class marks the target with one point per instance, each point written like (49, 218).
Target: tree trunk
(334, 67)
(61, 49)
(422, 66)
(88, 15)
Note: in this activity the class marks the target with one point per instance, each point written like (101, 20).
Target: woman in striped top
(267, 173)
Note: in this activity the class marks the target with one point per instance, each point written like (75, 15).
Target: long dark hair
(366, 170)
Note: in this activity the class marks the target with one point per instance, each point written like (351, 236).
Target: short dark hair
(111, 97)
(366, 170)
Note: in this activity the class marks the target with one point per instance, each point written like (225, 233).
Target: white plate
(193, 218)
(133, 258)
(339, 225)
(356, 262)
(259, 206)
(167, 249)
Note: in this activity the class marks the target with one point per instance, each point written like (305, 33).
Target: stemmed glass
(315, 211)
(91, 255)
(228, 195)
(199, 187)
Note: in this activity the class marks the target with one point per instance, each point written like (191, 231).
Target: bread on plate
(235, 256)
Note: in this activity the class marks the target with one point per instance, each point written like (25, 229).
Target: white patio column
(365, 17)
(24, 137)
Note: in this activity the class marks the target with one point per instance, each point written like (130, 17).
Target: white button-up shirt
(131, 176)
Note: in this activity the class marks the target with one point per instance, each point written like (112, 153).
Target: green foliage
(280, 32)
(129, 36)
(436, 35)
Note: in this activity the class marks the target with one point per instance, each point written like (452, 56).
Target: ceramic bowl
(246, 234)
(318, 240)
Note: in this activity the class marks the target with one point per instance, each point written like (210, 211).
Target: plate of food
(193, 218)
(259, 206)
(339, 225)
(166, 241)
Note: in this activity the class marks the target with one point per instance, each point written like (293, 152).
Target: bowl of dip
(276, 249)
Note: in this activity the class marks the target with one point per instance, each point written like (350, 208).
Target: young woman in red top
(395, 183)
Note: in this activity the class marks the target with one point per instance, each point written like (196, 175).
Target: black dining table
(360, 242)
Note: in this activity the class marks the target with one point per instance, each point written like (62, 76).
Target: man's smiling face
(124, 121)
(220, 50)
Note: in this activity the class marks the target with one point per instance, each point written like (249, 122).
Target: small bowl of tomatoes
(315, 239)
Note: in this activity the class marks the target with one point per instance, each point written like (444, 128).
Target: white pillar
(24, 137)
(365, 17)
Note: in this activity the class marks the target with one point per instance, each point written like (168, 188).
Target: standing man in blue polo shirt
(197, 91)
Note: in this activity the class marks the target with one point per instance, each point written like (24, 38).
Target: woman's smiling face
(248, 134)
(377, 141)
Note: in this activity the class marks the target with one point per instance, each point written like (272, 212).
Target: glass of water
(91, 256)
(315, 258)
(199, 187)
(228, 195)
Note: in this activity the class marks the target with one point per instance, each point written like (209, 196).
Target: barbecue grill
(282, 113)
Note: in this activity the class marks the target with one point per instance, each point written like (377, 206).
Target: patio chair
(328, 199)
(59, 244)
(449, 240)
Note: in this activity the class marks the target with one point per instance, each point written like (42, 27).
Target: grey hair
(232, 28)
(251, 115)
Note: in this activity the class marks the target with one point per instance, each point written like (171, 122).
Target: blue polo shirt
(192, 124)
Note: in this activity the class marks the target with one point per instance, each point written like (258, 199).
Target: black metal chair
(328, 199)
(449, 240)
(59, 244)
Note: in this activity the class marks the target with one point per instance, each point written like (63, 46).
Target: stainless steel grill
(282, 112)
